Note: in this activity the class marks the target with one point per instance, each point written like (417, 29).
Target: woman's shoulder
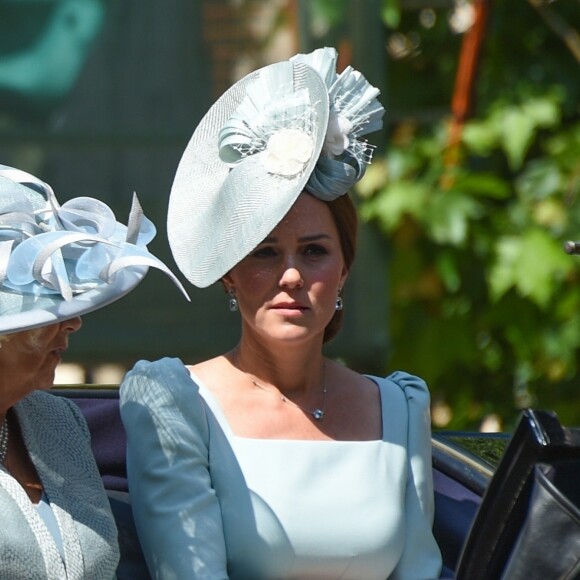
(160, 367)
(41, 402)
(413, 388)
(406, 402)
(162, 392)
(51, 413)
(150, 380)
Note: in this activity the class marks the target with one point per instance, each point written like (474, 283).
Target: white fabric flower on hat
(272, 121)
(337, 135)
(288, 152)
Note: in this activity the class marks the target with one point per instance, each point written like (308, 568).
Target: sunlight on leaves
(517, 133)
(395, 201)
(533, 264)
(449, 215)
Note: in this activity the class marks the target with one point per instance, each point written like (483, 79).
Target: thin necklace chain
(317, 413)
(3, 440)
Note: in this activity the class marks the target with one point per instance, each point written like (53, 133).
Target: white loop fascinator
(285, 128)
(61, 261)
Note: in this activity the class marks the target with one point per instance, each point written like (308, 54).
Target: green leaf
(481, 137)
(448, 271)
(533, 264)
(540, 179)
(327, 13)
(483, 185)
(402, 163)
(449, 215)
(552, 214)
(375, 178)
(395, 201)
(517, 134)
(544, 111)
(564, 148)
(391, 13)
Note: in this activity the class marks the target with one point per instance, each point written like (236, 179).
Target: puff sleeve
(421, 558)
(176, 511)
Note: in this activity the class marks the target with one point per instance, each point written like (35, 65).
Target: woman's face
(287, 287)
(28, 359)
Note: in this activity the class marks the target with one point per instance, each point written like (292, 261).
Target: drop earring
(339, 303)
(233, 301)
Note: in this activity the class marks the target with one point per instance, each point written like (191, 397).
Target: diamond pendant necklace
(3, 440)
(317, 413)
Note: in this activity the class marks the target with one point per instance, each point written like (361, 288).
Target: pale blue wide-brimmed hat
(62, 261)
(285, 128)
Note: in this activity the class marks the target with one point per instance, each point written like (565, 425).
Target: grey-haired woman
(56, 264)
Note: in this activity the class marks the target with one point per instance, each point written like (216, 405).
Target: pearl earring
(232, 302)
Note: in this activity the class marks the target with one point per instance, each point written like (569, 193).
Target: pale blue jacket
(209, 504)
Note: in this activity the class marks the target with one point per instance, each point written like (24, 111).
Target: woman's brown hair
(345, 217)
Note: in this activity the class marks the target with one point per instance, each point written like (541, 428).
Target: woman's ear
(227, 282)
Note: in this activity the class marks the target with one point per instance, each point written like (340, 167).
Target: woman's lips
(59, 351)
(289, 308)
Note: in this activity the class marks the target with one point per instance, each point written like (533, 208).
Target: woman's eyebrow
(314, 237)
(310, 238)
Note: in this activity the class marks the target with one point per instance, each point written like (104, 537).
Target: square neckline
(213, 403)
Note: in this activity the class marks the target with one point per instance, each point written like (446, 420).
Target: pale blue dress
(209, 504)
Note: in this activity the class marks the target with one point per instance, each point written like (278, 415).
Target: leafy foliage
(485, 304)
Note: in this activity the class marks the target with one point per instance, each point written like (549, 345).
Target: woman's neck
(290, 369)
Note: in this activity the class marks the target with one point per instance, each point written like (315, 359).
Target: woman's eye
(315, 250)
(265, 252)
